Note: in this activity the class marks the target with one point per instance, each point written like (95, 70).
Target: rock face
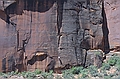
(62, 29)
(81, 29)
(112, 8)
(95, 56)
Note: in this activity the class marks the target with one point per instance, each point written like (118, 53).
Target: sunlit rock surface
(64, 29)
(112, 8)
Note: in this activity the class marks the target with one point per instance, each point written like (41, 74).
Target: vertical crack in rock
(79, 54)
(4, 65)
(60, 4)
(87, 3)
(17, 40)
(21, 65)
(77, 31)
(106, 47)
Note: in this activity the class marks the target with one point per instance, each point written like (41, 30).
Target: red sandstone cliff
(62, 29)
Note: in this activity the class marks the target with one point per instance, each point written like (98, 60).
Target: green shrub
(5, 75)
(84, 75)
(46, 74)
(118, 68)
(1, 73)
(67, 74)
(93, 70)
(37, 71)
(112, 61)
(118, 63)
(50, 77)
(100, 75)
(84, 72)
(105, 66)
(104, 73)
(107, 77)
(76, 70)
(12, 73)
(23, 73)
(30, 75)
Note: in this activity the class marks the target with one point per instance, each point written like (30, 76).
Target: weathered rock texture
(95, 56)
(112, 8)
(81, 29)
(62, 29)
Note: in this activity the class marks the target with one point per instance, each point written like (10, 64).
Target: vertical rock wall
(81, 29)
(112, 8)
(7, 42)
(39, 29)
(65, 30)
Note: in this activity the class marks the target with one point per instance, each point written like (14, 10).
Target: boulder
(94, 57)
